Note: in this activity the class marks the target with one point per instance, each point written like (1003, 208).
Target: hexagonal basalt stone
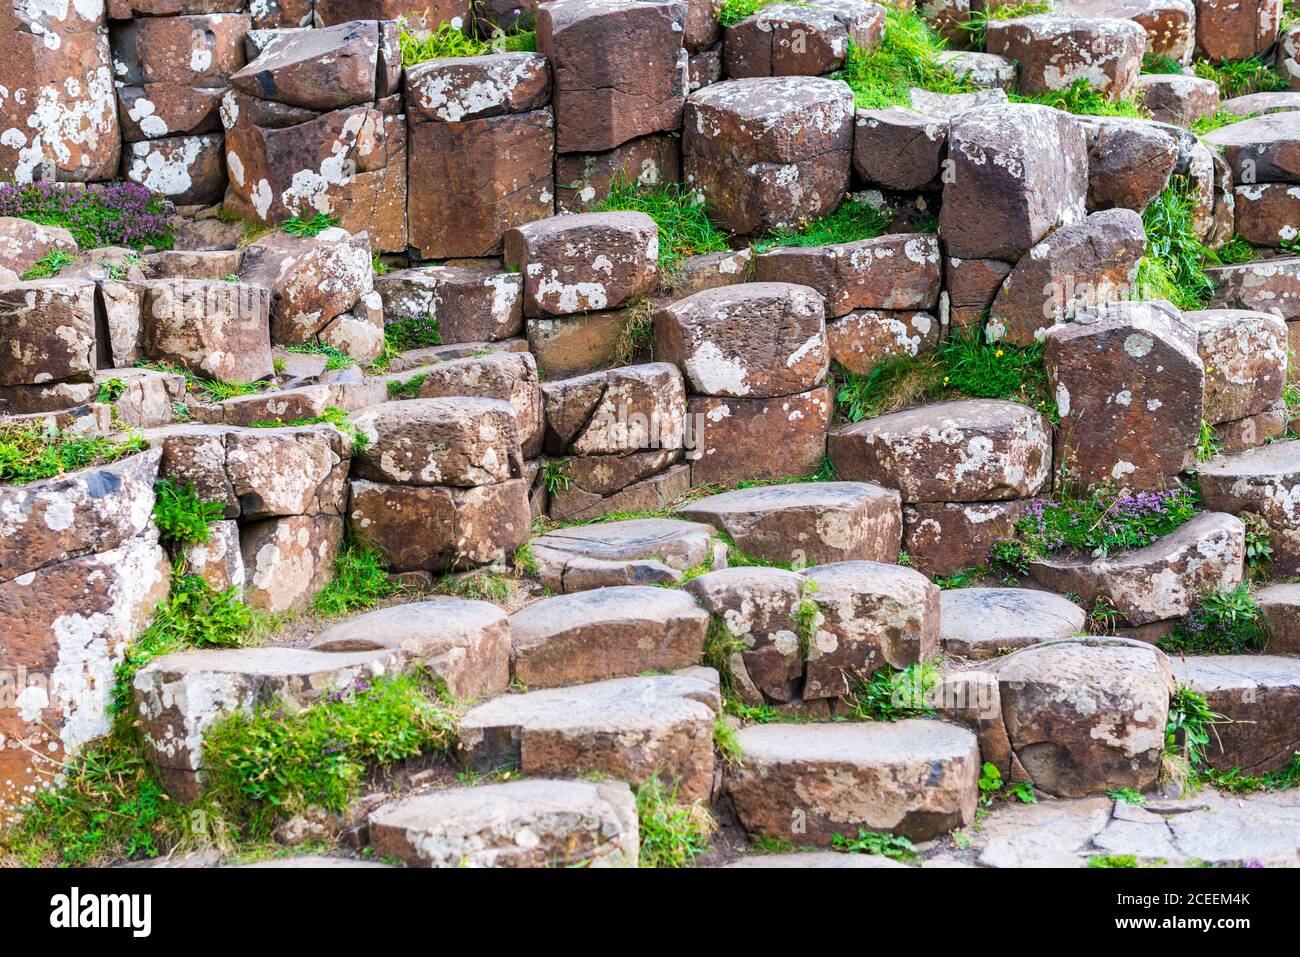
(987, 622)
(633, 552)
(1054, 51)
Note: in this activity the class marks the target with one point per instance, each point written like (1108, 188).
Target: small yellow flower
(945, 380)
(998, 354)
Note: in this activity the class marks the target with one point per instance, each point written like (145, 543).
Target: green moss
(29, 453)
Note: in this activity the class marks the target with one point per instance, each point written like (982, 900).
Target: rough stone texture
(605, 633)
(322, 69)
(288, 560)
(1260, 481)
(627, 728)
(864, 338)
(1017, 172)
(807, 523)
(218, 329)
(1271, 285)
(1236, 30)
(1177, 99)
(508, 376)
(1129, 387)
(465, 643)
(575, 345)
(583, 262)
(185, 169)
(1170, 24)
(1268, 214)
(755, 439)
(971, 285)
(1253, 104)
(632, 552)
(583, 180)
(943, 538)
(470, 304)
(454, 89)
(871, 614)
(1082, 265)
(786, 39)
(1245, 358)
(218, 561)
(973, 450)
(289, 471)
(768, 153)
(1264, 149)
(23, 243)
(1259, 695)
(47, 331)
(1162, 580)
(595, 489)
(899, 149)
(567, 823)
(1252, 431)
(889, 272)
(622, 411)
(1053, 51)
(986, 622)
(1086, 715)
(450, 441)
(1280, 604)
(618, 68)
(752, 340)
(987, 71)
(1129, 162)
(915, 777)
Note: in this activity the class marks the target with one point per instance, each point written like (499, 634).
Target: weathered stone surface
(453, 89)
(288, 560)
(312, 279)
(768, 153)
(633, 552)
(1271, 285)
(987, 71)
(1252, 431)
(583, 180)
(889, 272)
(322, 69)
(1054, 51)
(470, 305)
(618, 69)
(704, 68)
(448, 441)
(1086, 715)
(465, 643)
(943, 538)
(786, 39)
(1129, 387)
(218, 561)
(755, 439)
(627, 728)
(508, 376)
(605, 633)
(1170, 24)
(1259, 695)
(575, 345)
(436, 528)
(864, 338)
(1080, 266)
(218, 329)
(1177, 99)
(179, 696)
(47, 331)
(1236, 31)
(1018, 172)
(973, 450)
(23, 243)
(1280, 604)
(754, 340)
(1129, 162)
(185, 169)
(625, 410)
(657, 486)
(971, 285)
(568, 823)
(1162, 580)
(871, 615)
(1264, 149)
(358, 332)
(711, 270)
(1260, 481)
(583, 262)
(915, 777)
(152, 110)
(1268, 214)
(1245, 358)
(807, 523)
(289, 471)
(899, 149)
(986, 622)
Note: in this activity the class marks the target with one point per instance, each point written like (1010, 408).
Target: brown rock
(1245, 358)
(946, 537)
(582, 180)
(194, 51)
(755, 439)
(1170, 24)
(448, 441)
(469, 304)
(47, 328)
(1236, 31)
(1268, 214)
(1270, 285)
(1053, 51)
(971, 285)
(899, 149)
(1177, 99)
(218, 329)
(614, 413)
(185, 169)
(455, 89)
(509, 376)
(1263, 149)
(23, 243)
(1129, 163)
(987, 622)
(288, 560)
(1258, 695)
(863, 339)
(323, 69)
(630, 552)
(575, 345)
(786, 39)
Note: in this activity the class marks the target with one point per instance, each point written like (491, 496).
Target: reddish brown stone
(455, 89)
(446, 441)
(898, 149)
(863, 339)
(185, 169)
(47, 328)
(582, 180)
(1177, 99)
(1236, 30)
(289, 560)
(946, 537)
(325, 69)
(747, 439)
(218, 329)
(1129, 163)
(469, 304)
(1054, 51)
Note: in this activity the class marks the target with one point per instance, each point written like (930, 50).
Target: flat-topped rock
(1170, 24)
(447, 441)
(1253, 104)
(987, 71)
(1053, 51)
(1280, 604)
(986, 622)
(642, 551)
(971, 450)
(1162, 580)
(806, 783)
(1270, 285)
(865, 338)
(943, 538)
(755, 440)
(1262, 481)
(322, 69)
(1264, 149)
(1245, 358)
(632, 408)
(807, 523)
(456, 89)
(1260, 697)
(1266, 213)
(626, 728)
(516, 824)
(898, 148)
(508, 376)
(469, 304)
(1178, 99)
(605, 633)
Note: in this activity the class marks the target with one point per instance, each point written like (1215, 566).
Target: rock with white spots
(810, 782)
(469, 304)
(214, 328)
(508, 376)
(625, 728)
(1269, 285)
(198, 50)
(972, 450)
(865, 338)
(359, 332)
(1176, 98)
(1264, 482)
(289, 471)
(987, 71)
(1253, 104)
(631, 409)
(971, 285)
(1129, 162)
(704, 68)
(455, 89)
(312, 279)
(987, 622)
(323, 69)
(1162, 580)
(438, 528)
(1280, 604)
(1170, 24)
(943, 538)
(1259, 695)
(643, 551)
(1129, 386)
(219, 560)
(1245, 358)
(901, 149)
(47, 331)
(752, 340)
(1263, 149)
(1017, 172)
(1086, 715)
(575, 345)
(1288, 56)
(180, 696)
(768, 152)
(870, 615)
(739, 440)
(899, 271)
(582, 180)
(1268, 214)
(808, 523)
(597, 485)
(605, 633)
(463, 442)
(538, 823)
(185, 169)
(1236, 30)
(618, 68)
(1252, 431)
(1080, 266)
(465, 643)
(288, 560)
(1054, 51)
(24, 243)
(787, 39)
(585, 262)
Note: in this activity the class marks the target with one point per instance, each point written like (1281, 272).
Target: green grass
(207, 390)
(976, 26)
(1217, 120)
(891, 695)
(1241, 77)
(310, 226)
(1082, 99)
(29, 453)
(1113, 860)
(732, 12)
(1128, 796)
(49, 265)
(727, 743)
(335, 358)
(181, 516)
(906, 58)
(1188, 727)
(1160, 63)
(1176, 259)
(672, 834)
(1226, 622)
(360, 580)
(851, 222)
(684, 225)
(413, 332)
(110, 390)
(894, 846)
(332, 415)
(1235, 781)
(447, 41)
(406, 388)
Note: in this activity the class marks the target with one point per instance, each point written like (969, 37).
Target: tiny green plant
(1259, 547)
(1206, 445)
(727, 743)
(555, 476)
(413, 332)
(1127, 796)
(335, 358)
(110, 390)
(1188, 727)
(181, 516)
(333, 415)
(29, 452)
(891, 695)
(850, 222)
(1103, 617)
(894, 846)
(406, 388)
(1022, 791)
(450, 41)
(1113, 860)
(49, 265)
(1223, 622)
(990, 783)
(672, 834)
(309, 226)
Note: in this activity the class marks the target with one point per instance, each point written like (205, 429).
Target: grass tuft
(360, 580)
(906, 58)
(1225, 622)
(684, 226)
(894, 846)
(29, 453)
(851, 222)
(181, 516)
(891, 695)
(672, 834)
(449, 41)
(311, 226)
(49, 265)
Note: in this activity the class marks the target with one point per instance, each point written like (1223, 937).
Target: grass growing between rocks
(1081, 99)
(448, 41)
(889, 694)
(672, 834)
(49, 265)
(1176, 259)
(310, 226)
(204, 389)
(684, 225)
(977, 24)
(360, 580)
(332, 415)
(29, 453)
(907, 57)
(335, 358)
(851, 222)
(893, 846)
(1225, 622)
(1241, 77)
(115, 214)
